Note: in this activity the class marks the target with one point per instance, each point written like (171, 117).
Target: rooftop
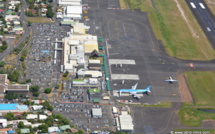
(13, 106)
(25, 131)
(97, 111)
(94, 91)
(64, 127)
(74, 9)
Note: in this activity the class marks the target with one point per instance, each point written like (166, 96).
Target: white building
(36, 107)
(31, 116)
(11, 17)
(74, 51)
(97, 112)
(73, 12)
(115, 110)
(125, 122)
(42, 117)
(36, 125)
(3, 122)
(13, 2)
(70, 2)
(53, 129)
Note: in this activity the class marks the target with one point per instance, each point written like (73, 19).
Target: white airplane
(170, 80)
(133, 91)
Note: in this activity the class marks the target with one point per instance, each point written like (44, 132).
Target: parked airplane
(133, 91)
(170, 80)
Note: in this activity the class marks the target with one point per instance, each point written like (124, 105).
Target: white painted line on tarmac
(202, 6)
(192, 4)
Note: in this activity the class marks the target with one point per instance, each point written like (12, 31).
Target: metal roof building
(126, 124)
(97, 112)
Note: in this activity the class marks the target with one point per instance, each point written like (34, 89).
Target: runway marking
(202, 6)
(192, 4)
(208, 29)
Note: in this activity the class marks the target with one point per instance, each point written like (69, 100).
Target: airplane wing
(135, 95)
(135, 86)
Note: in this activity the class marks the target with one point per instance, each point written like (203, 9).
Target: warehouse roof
(97, 111)
(126, 122)
(74, 9)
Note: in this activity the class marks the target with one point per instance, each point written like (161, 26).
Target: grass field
(211, 5)
(182, 39)
(201, 85)
(193, 117)
(38, 19)
(192, 131)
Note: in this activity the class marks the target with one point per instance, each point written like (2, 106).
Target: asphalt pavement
(205, 18)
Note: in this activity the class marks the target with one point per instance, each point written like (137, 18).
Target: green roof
(1, 5)
(94, 91)
(64, 127)
(68, 22)
(96, 100)
(9, 12)
(25, 130)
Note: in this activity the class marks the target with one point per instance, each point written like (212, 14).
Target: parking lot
(74, 94)
(81, 116)
(41, 68)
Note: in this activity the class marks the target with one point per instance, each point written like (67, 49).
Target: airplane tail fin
(148, 89)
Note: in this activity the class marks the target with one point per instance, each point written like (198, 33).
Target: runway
(204, 17)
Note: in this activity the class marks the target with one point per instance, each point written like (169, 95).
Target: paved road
(204, 17)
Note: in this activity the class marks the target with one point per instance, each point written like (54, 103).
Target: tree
(2, 64)
(34, 88)
(29, 23)
(17, 8)
(4, 43)
(9, 116)
(57, 86)
(47, 90)
(47, 105)
(50, 107)
(22, 58)
(21, 125)
(80, 132)
(28, 80)
(3, 47)
(49, 14)
(14, 75)
(65, 74)
(11, 96)
(27, 102)
(2, 71)
(44, 128)
(36, 94)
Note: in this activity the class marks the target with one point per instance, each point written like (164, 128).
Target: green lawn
(193, 117)
(202, 87)
(201, 131)
(169, 26)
